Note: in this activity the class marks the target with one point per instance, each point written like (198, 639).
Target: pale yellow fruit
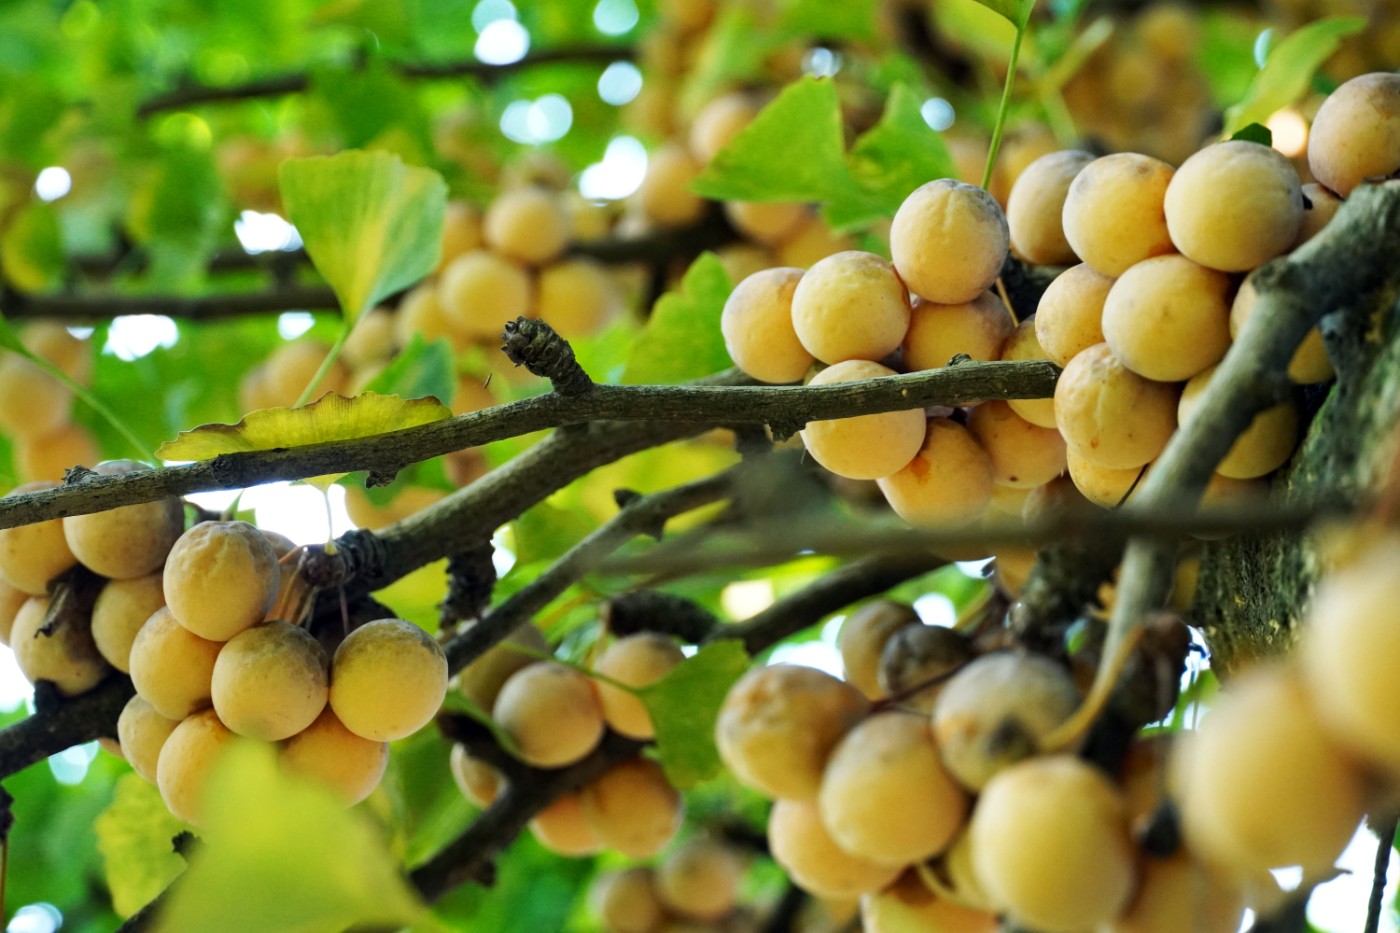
(1035, 207)
(717, 123)
(1110, 415)
(480, 291)
(130, 541)
(563, 828)
(121, 609)
(552, 712)
(1103, 486)
(221, 578)
(1320, 209)
(813, 242)
(885, 794)
(814, 861)
(665, 195)
(626, 900)
(949, 241)
(632, 808)
(289, 369)
(1167, 318)
(461, 232)
(1235, 812)
(765, 222)
(1069, 318)
(1356, 133)
(526, 224)
(182, 770)
(172, 667)
(865, 446)
(53, 342)
(67, 658)
(938, 332)
(863, 637)
(270, 681)
(1024, 344)
(949, 482)
(637, 660)
(142, 732)
(850, 306)
(758, 330)
(331, 755)
(482, 679)
(1114, 214)
(700, 879)
(479, 782)
(32, 555)
(909, 905)
(371, 341)
(421, 312)
(32, 402)
(1050, 843)
(1022, 454)
(388, 680)
(577, 297)
(1175, 895)
(11, 600)
(779, 724)
(1310, 363)
(51, 456)
(1235, 205)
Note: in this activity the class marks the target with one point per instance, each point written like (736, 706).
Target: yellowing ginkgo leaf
(284, 854)
(371, 224)
(331, 418)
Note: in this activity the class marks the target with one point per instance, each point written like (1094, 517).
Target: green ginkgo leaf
(371, 224)
(1288, 70)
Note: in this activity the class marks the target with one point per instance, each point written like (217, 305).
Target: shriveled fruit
(915, 657)
(863, 637)
(995, 710)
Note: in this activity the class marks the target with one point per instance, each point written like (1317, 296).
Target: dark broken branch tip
(538, 347)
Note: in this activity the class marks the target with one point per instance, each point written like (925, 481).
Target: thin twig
(189, 94)
(1384, 847)
(87, 308)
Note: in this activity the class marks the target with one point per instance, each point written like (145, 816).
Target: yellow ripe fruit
(11, 600)
(908, 905)
(552, 712)
(948, 483)
(1024, 344)
(32, 402)
(290, 368)
(814, 861)
(1348, 640)
(182, 770)
(1356, 133)
(1022, 454)
(577, 297)
(1234, 205)
(865, 446)
(766, 222)
(270, 681)
(172, 667)
(1310, 363)
(480, 291)
(330, 754)
(665, 195)
(978, 328)
(863, 637)
(1167, 318)
(130, 541)
(1235, 812)
(1114, 213)
(120, 611)
(388, 680)
(632, 808)
(67, 658)
(949, 241)
(850, 306)
(1320, 209)
(885, 793)
(1050, 842)
(1175, 894)
(527, 225)
(717, 123)
(626, 900)
(700, 879)
(371, 341)
(53, 455)
(479, 782)
(1069, 318)
(482, 679)
(142, 732)
(461, 232)
(636, 660)
(53, 342)
(32, 555)
(221, 578)
(779, 724)
(813, 242)
(563, 828)
(1103, 486)
(1035, 207)
(758, 329)
(1265, 444)
(421, 312)
(1110, 415)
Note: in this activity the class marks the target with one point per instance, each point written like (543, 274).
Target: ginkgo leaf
(1288, 69)
(284, 854)
(371, 224)
(331, 418)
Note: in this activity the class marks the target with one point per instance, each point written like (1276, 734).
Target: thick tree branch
(1350, 266)
(189, 94)
(695, 406)
(63, 725)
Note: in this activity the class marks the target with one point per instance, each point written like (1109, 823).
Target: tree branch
(694, 407)
(188, 94)
(1349, 265)
(62, 725)
(72, 308)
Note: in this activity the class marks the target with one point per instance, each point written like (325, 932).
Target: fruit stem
(1004, 106)
(1111, 669)
(331, 356)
